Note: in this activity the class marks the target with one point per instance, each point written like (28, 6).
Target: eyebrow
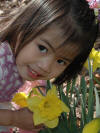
(44, 40)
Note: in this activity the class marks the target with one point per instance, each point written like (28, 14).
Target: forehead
(55, 37)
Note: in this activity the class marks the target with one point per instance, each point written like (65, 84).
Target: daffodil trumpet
(47, 109)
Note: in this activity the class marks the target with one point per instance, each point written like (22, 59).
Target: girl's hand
(22, 118)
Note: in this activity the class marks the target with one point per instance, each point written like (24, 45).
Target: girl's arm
(21, 118)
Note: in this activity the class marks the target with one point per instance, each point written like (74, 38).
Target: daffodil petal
(19, 96)
(43, 108)
(65, 108)
(37, 118)
(95, 66)
(99, 56)
(52, 123)
(33, 102)
(95, 56)
(20, 99)
(92, 127)
(86, 64)
(52, 91)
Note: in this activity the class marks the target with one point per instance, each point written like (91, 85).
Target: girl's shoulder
(6, 59)
(5, 48)
(10, 80)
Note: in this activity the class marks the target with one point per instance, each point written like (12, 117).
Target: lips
(32, 73)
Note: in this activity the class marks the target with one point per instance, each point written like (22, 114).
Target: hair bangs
(36, 22)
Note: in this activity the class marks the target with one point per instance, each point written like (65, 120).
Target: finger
(36, 130)
(40, 126)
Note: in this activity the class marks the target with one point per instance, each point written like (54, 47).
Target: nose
(46, 64)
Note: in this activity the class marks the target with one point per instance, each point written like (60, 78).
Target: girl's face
(43, 58)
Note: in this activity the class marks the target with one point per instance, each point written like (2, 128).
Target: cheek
(23, 59)
(26, 55)
(57, 71)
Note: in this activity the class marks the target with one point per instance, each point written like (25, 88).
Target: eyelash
(60, 62)
(42, 48)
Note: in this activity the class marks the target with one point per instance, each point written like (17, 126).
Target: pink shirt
(10, 80)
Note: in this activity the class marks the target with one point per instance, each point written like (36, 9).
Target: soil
(7, 5)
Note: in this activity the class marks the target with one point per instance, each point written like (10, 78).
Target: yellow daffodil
(20, 99)
(92, 127)
(95, 56)
(47, 109)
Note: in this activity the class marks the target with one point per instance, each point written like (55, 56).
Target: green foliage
(80, 98)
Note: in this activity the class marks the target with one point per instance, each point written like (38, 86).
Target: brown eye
(42, 49)
(61, 62)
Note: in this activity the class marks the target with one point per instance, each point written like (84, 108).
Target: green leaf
(83, 88)
(97, 103)
(90, 97)
(49, 85)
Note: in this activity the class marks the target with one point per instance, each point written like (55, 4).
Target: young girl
(44, 40)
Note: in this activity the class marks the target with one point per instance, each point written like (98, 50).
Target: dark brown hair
(78, 25)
